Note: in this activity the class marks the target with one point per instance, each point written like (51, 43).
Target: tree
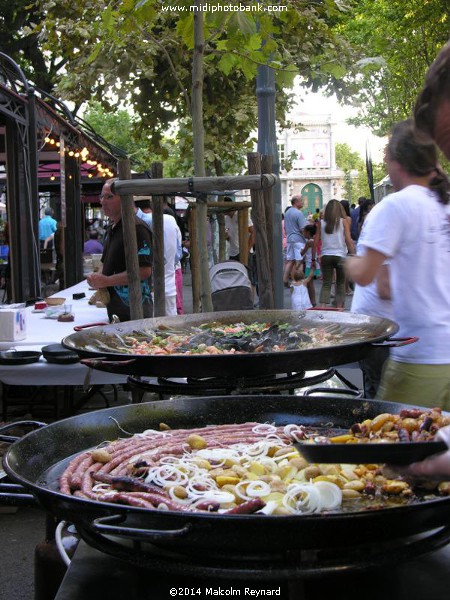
(120, 129)
(20, 40)
(349, 161)
(397, 41)
(139, 52)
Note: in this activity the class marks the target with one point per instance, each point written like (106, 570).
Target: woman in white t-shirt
(412, 228)
(334, 232)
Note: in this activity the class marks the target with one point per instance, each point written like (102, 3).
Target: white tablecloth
(42, 331)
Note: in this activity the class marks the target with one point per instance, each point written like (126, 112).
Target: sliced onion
(288, 429)
(269, 508)
(258, 448)
(264, 428)
(154, 432)
(258, 488)
(238, 491)
(302, 498)
(166, 475)
(330, 494)
(207, 483)
(268, 463)
(286, 456)
(220, 496)
(101, 487)
(218, 454)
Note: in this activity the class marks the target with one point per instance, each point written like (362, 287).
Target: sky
(355, 137)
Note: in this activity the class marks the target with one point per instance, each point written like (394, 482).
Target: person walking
(411, 228)
(294, 223)
(432, 119)
(334, 234)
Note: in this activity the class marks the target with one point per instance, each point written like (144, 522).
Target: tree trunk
(199, 158)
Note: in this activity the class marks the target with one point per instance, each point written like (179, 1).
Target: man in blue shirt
(294, 222)
(47, 228)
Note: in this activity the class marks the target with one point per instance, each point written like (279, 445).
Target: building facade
(308, 164)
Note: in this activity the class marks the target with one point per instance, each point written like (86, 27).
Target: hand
(97, 280)
(436, 466)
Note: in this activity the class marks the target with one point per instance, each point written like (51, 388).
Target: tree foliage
(136, 52)
(19, 41)
(350, 162)
(121, 130)
(397, 41)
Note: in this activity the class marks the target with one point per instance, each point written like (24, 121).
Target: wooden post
(193, 249)
(259, 224)
(266, 166)
(159, 286)
(130, 245)
(243, 236)
(204, 185)
(222, 237)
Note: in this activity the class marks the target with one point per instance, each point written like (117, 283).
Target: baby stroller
(230, 286)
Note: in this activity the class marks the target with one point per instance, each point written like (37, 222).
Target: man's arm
(98, 280)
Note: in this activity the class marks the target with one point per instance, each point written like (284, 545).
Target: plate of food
(394, 453)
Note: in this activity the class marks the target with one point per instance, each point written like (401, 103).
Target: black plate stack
(56, 353)
(19, 357)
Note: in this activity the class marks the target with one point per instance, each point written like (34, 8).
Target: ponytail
(440, 184)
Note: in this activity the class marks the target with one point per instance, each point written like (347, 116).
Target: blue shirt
(294, 222)
(47, 226)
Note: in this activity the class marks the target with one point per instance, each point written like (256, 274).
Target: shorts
(409, 383)
(294, 251)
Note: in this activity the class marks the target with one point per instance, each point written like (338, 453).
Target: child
(299, 289)
(309, 252)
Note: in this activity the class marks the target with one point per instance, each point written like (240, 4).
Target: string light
(83, 153)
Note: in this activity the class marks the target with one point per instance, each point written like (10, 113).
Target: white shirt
(413, 229)
(333, 244)
(171, 231)
(300, 297)
(366, 299)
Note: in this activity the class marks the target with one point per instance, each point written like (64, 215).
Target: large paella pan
(243, 343)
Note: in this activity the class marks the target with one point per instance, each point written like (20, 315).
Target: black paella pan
(37, 460)
(352, 338)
